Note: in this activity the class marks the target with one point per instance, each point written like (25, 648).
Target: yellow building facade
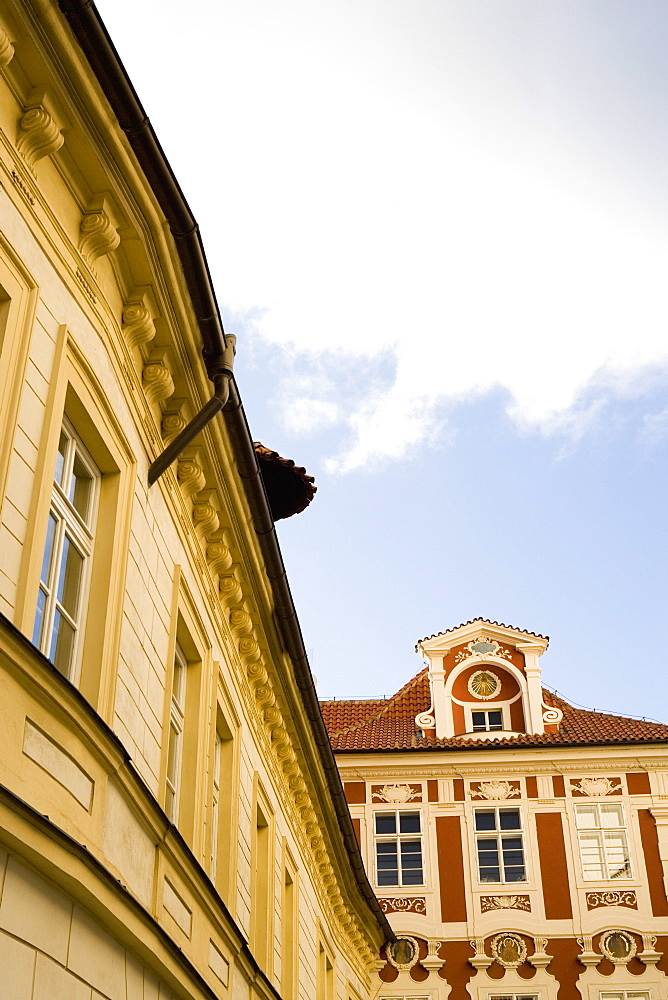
(172, 823)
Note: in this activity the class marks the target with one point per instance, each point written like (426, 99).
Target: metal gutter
(91, 34)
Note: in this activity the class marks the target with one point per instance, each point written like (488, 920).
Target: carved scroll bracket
(41, 127)
(139, 313)
(98, 231)
(6, 48)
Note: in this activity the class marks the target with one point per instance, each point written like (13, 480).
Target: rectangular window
(398, 849)
(175, 741)
(488, 721)
(67, 554)
(625, 995)
(514, 996)
(499, 845)
(602, 838)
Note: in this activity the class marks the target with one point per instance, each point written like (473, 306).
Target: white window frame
(486, 707)
(497, 834)
(177, 715)
(625, 995)
(514, 996)
(73, 528)
(397, 838)
(598, 832)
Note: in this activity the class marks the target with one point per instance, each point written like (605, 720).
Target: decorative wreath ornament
(484, 684)
(403, 953)
(618, 946)
(509, 950)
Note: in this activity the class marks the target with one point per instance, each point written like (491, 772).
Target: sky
(439, 230)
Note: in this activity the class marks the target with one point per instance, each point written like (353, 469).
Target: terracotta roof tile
(390, 725)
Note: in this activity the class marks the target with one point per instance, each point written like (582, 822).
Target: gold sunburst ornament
(484, 684)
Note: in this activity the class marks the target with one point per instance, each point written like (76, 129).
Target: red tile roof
(390, 725)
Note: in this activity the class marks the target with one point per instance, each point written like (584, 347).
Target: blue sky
(439, 231)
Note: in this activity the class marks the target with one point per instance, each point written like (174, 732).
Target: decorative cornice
(138, 325)
(39, 135)
(505, 902)
(98, 235)
(6, 49)
(205, 513)
(173, 419)
(404, 904)
(495, 790)
(190, 473)
(218, 556)
(157, 381)
(612, 897)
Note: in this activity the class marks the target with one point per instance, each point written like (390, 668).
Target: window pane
(478, 720)
(586, 817)
(611, 815)
(388, 878)
(60, 457)
(509, 819)
(495, 720)
(62, 644)
(386, 824)
(591, 854)
(411, 853)
(515, 874)
(48, 548)
(485, 820)
(39, 618)
(409, 823)
(412, 877)
(69, 579)
(81, 484)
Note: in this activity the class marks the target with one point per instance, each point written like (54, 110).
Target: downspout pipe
(221, 394)
(89, 30)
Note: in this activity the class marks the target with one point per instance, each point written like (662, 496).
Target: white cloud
(451, 186)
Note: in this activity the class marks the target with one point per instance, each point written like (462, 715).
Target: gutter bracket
(220, 372)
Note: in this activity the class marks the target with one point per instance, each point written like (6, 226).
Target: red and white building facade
(519, 845)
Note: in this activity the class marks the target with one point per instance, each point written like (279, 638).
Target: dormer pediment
(485, 679)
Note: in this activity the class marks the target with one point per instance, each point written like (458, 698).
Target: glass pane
(616, 855)
(586, 817)
(412, 877)
(515, 874)
(409, 823)
(386, 824)
(509, 819)
(495, 721)
(485, 820)
(591, 855)
(62, 644)
(48, 547)
(479, 721)
(173, 755)
(611, 815)
(411, 854)
(80, 490)
(39, 618)
(69, 578)
(60, 458)
(388, 878)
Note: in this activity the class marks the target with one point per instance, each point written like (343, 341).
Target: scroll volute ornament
(98, 231)
(139, 312)
(6, 48)
(41, 127)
